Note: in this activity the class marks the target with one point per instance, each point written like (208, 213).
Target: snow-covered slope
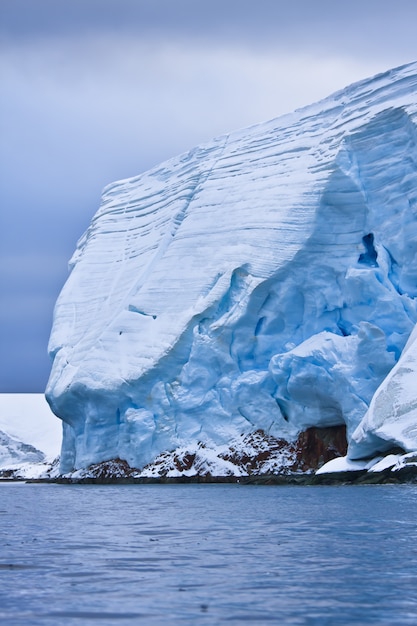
(30, 434)
(13, 453)
(265, 281)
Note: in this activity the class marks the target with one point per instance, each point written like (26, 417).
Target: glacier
(264, 282)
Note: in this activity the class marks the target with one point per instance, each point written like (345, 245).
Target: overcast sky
(97, 90)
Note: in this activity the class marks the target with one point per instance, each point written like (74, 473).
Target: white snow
(344, 464)
(386, 462)
(394, 462)
(405, 460)
(265, 281)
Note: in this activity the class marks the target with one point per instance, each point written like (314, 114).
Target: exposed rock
(256, 454)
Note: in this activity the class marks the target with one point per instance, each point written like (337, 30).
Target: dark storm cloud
(96, 90)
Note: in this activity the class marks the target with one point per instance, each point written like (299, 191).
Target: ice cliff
(264, 282)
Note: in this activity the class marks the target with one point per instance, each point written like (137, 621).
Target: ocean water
(207, 554)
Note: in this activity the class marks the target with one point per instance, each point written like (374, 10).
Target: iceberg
(264, 282)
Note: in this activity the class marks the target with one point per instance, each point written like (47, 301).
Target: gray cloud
(103, 89)
(365, 25)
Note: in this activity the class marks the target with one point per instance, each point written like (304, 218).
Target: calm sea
(207, 554)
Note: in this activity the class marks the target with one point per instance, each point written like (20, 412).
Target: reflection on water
(208, 554)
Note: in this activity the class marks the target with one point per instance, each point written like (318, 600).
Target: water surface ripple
(207, 554)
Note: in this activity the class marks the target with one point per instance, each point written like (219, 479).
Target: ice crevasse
(264, 281)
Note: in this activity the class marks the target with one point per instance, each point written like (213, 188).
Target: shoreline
(404, 475)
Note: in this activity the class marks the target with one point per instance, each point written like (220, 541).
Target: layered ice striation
(265, 281)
